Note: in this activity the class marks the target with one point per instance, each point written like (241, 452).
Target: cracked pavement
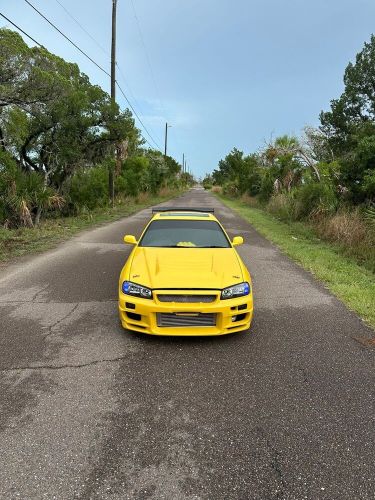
(89, 411)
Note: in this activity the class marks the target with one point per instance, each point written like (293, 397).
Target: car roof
(183, 216)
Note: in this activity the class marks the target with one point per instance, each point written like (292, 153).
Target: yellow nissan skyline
(184, 277)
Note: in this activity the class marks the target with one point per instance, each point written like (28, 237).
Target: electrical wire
(67, 38)
(141, 122)
(21, 30)
(106, 52)
(102, 49)
(147, 55)
(96, 64)
(150, 66)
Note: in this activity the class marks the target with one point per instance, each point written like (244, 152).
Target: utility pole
(183, 162)
(113, 94)
(166, 139)
(113, 52)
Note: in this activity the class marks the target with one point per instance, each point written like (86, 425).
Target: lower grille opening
(242, 306)
(133, 316)
(185, 319)
(129, 305)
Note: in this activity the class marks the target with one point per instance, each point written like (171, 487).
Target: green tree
(53, 119)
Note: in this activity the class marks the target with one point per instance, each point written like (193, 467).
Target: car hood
(185, 267)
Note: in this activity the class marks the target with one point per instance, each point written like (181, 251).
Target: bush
(23, 195)
(230, 188)
(315, 200)
(369, 185)
(89, 188)
(266, 186)
(282, 205)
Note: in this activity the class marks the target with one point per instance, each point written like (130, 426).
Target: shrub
(89, 188)
(315, 200)
(369, 185)
(217, 189)
(266, 186)
(230, 188)
(282, 205)
(23, 195)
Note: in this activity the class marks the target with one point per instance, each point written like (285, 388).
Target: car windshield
(184, 234)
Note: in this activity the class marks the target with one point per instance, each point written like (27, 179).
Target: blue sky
(224, 73)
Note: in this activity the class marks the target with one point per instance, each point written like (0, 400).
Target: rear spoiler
(207, 210)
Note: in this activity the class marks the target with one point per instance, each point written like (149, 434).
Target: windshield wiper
(213, 246)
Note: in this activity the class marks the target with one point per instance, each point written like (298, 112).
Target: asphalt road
(284, 411)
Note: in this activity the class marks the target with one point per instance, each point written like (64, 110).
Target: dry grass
(166, 191)
(347, 228)
(352, 233)
(280, 205)
(336, 265)
(251, 201)
(21, 241)
(217, 189)
(142, 198)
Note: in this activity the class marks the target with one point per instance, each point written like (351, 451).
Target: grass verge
(24, 241)
(350, 282)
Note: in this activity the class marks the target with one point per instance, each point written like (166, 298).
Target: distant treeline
(328, 174)
(59, 137)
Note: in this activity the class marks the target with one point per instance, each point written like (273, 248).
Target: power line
(141, 122)
(101, 48)
(67, 38)
(83, 28)
(21, 30)
(133, 96)
(152, 74)
(147, 55)
(96, 64)
(98, 45)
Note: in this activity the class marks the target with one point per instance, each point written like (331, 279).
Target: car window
(184, 233)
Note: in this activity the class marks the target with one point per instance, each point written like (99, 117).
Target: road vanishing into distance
(90, 411)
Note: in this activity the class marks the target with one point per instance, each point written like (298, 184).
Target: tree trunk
(38, 215)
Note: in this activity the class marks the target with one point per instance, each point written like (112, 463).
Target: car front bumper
(143, 315)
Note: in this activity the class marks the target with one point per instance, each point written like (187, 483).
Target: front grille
(187, 299)
(188, 319)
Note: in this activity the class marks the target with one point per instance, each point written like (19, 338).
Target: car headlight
(235, 291)
(130, 288)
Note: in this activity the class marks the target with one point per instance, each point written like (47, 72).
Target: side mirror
(130, 239)
(237, 240)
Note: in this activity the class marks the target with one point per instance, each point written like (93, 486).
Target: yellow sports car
(184, 277)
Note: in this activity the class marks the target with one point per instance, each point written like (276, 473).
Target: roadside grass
(345, 278)
(23, 241)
